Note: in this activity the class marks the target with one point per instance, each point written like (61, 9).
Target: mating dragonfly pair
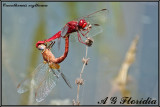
(45, 76)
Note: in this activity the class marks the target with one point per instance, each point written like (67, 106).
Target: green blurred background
(22, 27)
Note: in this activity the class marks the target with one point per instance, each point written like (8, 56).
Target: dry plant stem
(78, 93)
(120, 82)
(78, 87)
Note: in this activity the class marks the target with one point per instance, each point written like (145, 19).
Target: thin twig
(80, 80)
(78, 87)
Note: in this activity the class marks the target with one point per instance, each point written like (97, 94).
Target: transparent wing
(94, 19)
(64, 30)
(37, 74)
(97, 17)
(23, 86)
(73, 37)
(46, 85)
(94, 31)
(59, 43)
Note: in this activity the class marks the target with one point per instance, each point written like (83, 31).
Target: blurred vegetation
(120, 82)
(40, 34)
(119, 18)
(71, 9)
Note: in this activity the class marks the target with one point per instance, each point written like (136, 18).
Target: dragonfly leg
(55, 73)
(88, 30)
(79, 38)
(51, 45)
(85, 33)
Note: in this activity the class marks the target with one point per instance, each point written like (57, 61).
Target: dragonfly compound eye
(82, 23)
(41, 47)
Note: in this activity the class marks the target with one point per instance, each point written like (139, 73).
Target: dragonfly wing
(73, 37)
(94, 31)
(59, 43)
(97, 17)
(24, 86)
(46, 85)
(64, 30)
(37, 74)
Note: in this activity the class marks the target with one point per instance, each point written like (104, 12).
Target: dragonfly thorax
(73, 26)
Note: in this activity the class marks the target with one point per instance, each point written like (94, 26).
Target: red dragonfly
(80, 27)
(44, 77)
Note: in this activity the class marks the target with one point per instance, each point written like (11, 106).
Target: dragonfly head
(82, 23)
(41, 47)
(39, 42)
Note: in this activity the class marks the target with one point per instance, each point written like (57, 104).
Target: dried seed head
(78, 103)
(73, 102)
(89, 42)
(79, 81)
(85, 61)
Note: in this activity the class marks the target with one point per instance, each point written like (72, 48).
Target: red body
(50, 58)
(57, 35)
(73, 26)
